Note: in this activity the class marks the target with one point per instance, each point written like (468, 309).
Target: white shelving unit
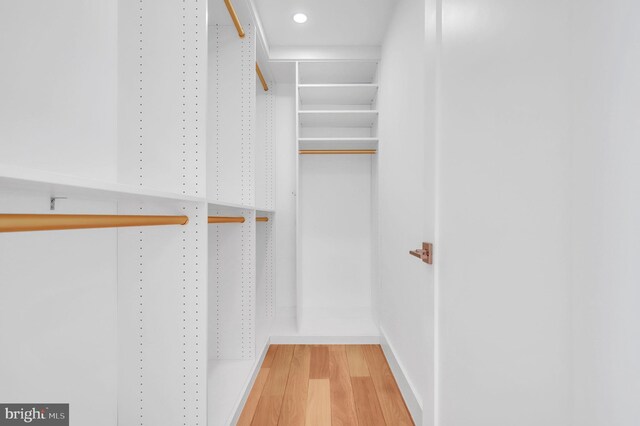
(337, 72)
(158, 325)
(332, 119)
(67, 186)
(344, 96)
(217, 205)
(240, 182)
(337, 105)
(111, 321)
(338, 143)
(335, 110)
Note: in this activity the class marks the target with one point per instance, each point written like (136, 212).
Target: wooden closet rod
(50, 222)
(236, 22)
(262, 219)
(234, 18)
(338, 151)
(261, 77)
(226, 219)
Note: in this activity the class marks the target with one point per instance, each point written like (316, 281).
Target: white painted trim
(324, 53)
(262, 38)
(406, 388)
(239, 405)
(325, 340)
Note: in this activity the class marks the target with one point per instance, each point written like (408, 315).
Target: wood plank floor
(336, 385)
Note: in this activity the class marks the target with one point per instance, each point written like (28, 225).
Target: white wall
(58, 311)
(503, 252)
(406, 197)
(606, 225)
(335, 215)
(537, 292)
(286, 157)
(58, 84)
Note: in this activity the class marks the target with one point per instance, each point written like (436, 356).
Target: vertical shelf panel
(299, 282)
(265, 148)
(232, 116)
(265, 278)
(232, 266)
(162, 65)
(162, 291)
(162, 318)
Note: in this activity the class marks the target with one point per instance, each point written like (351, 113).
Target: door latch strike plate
(425, 253)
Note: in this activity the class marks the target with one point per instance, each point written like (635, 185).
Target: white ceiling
(331, 22)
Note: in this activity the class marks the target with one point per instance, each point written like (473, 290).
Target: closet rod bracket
(52, 202)
(425, 253)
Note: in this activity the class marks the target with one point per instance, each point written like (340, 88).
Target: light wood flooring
(339, 385)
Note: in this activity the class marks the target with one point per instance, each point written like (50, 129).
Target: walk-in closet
(336, 212)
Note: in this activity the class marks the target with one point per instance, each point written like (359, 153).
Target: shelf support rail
(53, 222)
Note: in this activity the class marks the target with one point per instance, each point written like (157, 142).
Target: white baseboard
(406, 388)
(325, 340)
(237, 410)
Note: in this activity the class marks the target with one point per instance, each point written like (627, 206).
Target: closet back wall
(59, 87)
(335, 215)
(286, 158)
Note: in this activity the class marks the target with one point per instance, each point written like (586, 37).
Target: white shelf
(338, 94)
(338, 72)
(338, 143)
(215, 204)
(228, 383)
(265, 210)
(60, 185)
(227, 380)
(329, 118)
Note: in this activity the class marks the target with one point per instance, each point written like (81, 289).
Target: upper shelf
(264, 210)
(217, 204)
(338, 94)
(59, 185)
(339, 143)
(330, 118)
(353, 72)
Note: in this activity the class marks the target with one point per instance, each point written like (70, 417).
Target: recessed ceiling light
(300, 18)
